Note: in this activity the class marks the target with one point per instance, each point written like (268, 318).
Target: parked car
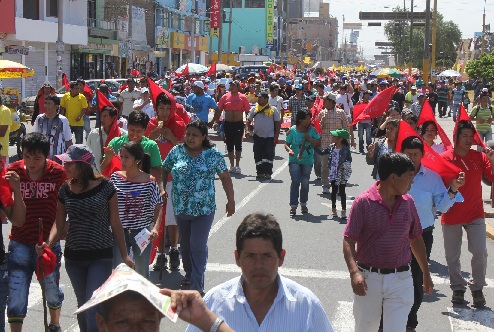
(244, 71)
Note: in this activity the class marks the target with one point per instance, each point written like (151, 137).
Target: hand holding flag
(376, 107)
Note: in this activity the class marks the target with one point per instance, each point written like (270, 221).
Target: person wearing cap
(457, 99)
(364, 125)
(416, 107)
(282, 90)
(289, 90)
(43, 177)
(128, 97)
(144, 103)
(201, 102)
(73, 106)
(297, 102)
(94, 103)
(88, 203)
(411, 96)
(39, 103)
(442, 98)
(274, 98)
(266, 130)
(252, 95)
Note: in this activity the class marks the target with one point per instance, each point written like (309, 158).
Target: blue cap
(299, 87)
(281, 80)
(288, 82)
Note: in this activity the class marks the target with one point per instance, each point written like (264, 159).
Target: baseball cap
(369, 92)
(299, 87)
(330, 96)
(281, 80)
(199, 84)
(263, 93)
(144, 90)
(420, 94)
(340, 133)
(78, 153)
(413, 87)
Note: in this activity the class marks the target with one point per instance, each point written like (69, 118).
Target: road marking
(468, 319)
(317, 274)
(246, 200)
(343, 319)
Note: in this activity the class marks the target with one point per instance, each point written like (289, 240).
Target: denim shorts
(4, 292)
(21, 266)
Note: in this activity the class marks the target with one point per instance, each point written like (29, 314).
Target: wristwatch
(450, 191)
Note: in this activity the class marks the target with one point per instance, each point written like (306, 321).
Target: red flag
(428, 115)
(212, 70)
(431, 159)
(262, 75)
(463, 115)
(47, 262)
(65, 82)
(114, 165)
(184, 72)
(294, 69)
(320, 76)
(114, 129)
(316, 109)
(5, 188)
(376, 107)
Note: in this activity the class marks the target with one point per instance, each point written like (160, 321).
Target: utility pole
(229, 32)
(193, 37)
(59, 44)
(130, 55)
(483, 32)
(220, 38)
(434, 31)
(411, 41)
(426, 40)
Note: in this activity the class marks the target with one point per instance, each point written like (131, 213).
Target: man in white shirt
(275, 100)
(145, 104)
(128, 97)
(260, 296)
(344, 98)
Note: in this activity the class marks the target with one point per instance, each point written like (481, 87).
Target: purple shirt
(383, 236)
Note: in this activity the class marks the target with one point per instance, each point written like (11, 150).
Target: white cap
(199, 84)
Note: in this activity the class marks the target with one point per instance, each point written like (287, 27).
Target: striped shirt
(331, 120)
(295, 308)
(383, 236)
(136, 201)
(40, 197)
(89, 236)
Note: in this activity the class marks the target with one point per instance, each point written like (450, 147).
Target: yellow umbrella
(11, 69)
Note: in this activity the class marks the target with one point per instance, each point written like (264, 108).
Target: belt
(383, 271)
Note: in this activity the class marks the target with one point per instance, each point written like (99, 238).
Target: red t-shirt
(475, 164)
(41, 104)
(181, 112)
(238, 102)
(40, 197)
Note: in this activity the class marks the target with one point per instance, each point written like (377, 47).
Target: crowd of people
(146, 172)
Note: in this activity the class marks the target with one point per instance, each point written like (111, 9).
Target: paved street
(314, 253)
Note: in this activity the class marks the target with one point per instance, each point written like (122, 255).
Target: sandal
(305, 209)
(293, 211)
(343, 214)
(185, 282)
(335, 214)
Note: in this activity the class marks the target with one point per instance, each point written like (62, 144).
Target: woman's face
(71, 169)
(391, 131)
(128, 160)
(194, 138)
(394, 114)
(430, 132)
(304, 123)
(163, 111)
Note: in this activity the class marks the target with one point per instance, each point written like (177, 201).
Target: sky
(467, 14)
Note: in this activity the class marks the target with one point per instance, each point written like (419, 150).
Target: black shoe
(458, 297)
(174, 259)
(161, 260)
(267, 176)
(478, 299)
(260, 177)
(54, 328)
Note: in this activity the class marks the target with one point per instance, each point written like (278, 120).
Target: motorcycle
(17, 130)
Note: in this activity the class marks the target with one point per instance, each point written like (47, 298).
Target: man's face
(131, 85)
(50, 106)
(46, 90)
(130, 316)
(259, 262)
(262, 100)
(328, 104)
(80, 86)
(34, 161)
(465, 139)
(135, 132)
(274, 92)
(403, 183)
(106, 119)
(413, 91)
(145, 95)
(416, 156)
(163, 111)
(484, 100)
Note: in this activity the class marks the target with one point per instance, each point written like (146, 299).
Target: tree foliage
(448, 35)
(481, 68)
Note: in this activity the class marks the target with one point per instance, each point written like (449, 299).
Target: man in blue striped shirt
(260, 299)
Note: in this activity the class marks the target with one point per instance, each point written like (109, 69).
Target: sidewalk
(448, 126)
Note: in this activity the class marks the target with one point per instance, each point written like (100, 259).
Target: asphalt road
(314, 254)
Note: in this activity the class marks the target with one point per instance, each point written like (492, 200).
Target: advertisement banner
(162, 37)
(177, 40)
(215, 17)
(269, 22)
(139, 26)
(7, 23)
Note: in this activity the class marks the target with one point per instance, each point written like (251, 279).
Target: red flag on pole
(376, 107)
(428, 115)
(5, 188)
(431, 159)
(212, 70)
(115, 164)
(65, 82)
(463, 115)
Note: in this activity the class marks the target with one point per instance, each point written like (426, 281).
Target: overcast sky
(467, 14)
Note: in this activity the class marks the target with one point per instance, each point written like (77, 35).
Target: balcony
(102, 29)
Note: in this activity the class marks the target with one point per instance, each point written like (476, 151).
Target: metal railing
(101, 24)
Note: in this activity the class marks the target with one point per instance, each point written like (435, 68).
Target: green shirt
(483, 114)
(149, 146)
(295, 139)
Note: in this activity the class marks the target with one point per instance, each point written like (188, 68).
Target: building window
(29, 11)
(91, 13)
(255, 4)
(175, 21)
(235, 4)
(51, 8)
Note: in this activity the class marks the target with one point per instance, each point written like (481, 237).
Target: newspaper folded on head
(124, 279)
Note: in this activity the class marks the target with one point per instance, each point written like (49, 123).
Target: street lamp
(442, 56)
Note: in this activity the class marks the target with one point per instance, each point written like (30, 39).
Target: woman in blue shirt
(194, 165)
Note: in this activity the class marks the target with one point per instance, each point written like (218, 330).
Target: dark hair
(394, 122)
(138, 118)
(86, 174)
(391, 109)
(72, 84)
(36, 142)
(463, 124)
(137, 151)
(394, 163)
(259, 225)
(54, 98)
(301, 115)
(320, 85)
(163, 99)
(413, 117)
(80, 81)
(103, 88)
(105, 307)
(425, 125)
(112, 111)
(412, 142)
(203, 128)
(273, 87)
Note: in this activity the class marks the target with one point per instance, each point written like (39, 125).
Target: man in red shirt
(384, 224)
(40, 180)
(469, 216)
(39, 102)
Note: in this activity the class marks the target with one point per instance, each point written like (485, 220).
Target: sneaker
(54, 328)
(305, 209)
(238, 170)
(325, 190)
(267, 176)
(343, 214)
(334, 213)
(232, 169)
(478, 299)
(260, 176)
(161, 260)
(174, 259)
(410, 329)
(458, 297)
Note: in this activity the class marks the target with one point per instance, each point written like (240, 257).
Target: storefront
(95, 60)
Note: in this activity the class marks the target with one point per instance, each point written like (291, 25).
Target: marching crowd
(147, 170)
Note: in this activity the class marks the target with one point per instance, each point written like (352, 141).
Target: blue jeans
(368, 139)
(455, 109)
(194, 232)
(484, 136)
(300, 175)
(86, 277)
(141, 261)
(4, 292)
(22, 265)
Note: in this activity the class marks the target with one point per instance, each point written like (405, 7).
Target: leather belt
(383, 271)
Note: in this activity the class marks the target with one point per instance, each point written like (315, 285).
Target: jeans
(86, 277)
(264, 154)
(194, 232)
(141, 261)
(22, 265)
(484, 136)
(87, 125)
(300, 175)
(4, 292)
(317, 164)
(78, 131)
(368, 139)
(455, 109)
(442, 108)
